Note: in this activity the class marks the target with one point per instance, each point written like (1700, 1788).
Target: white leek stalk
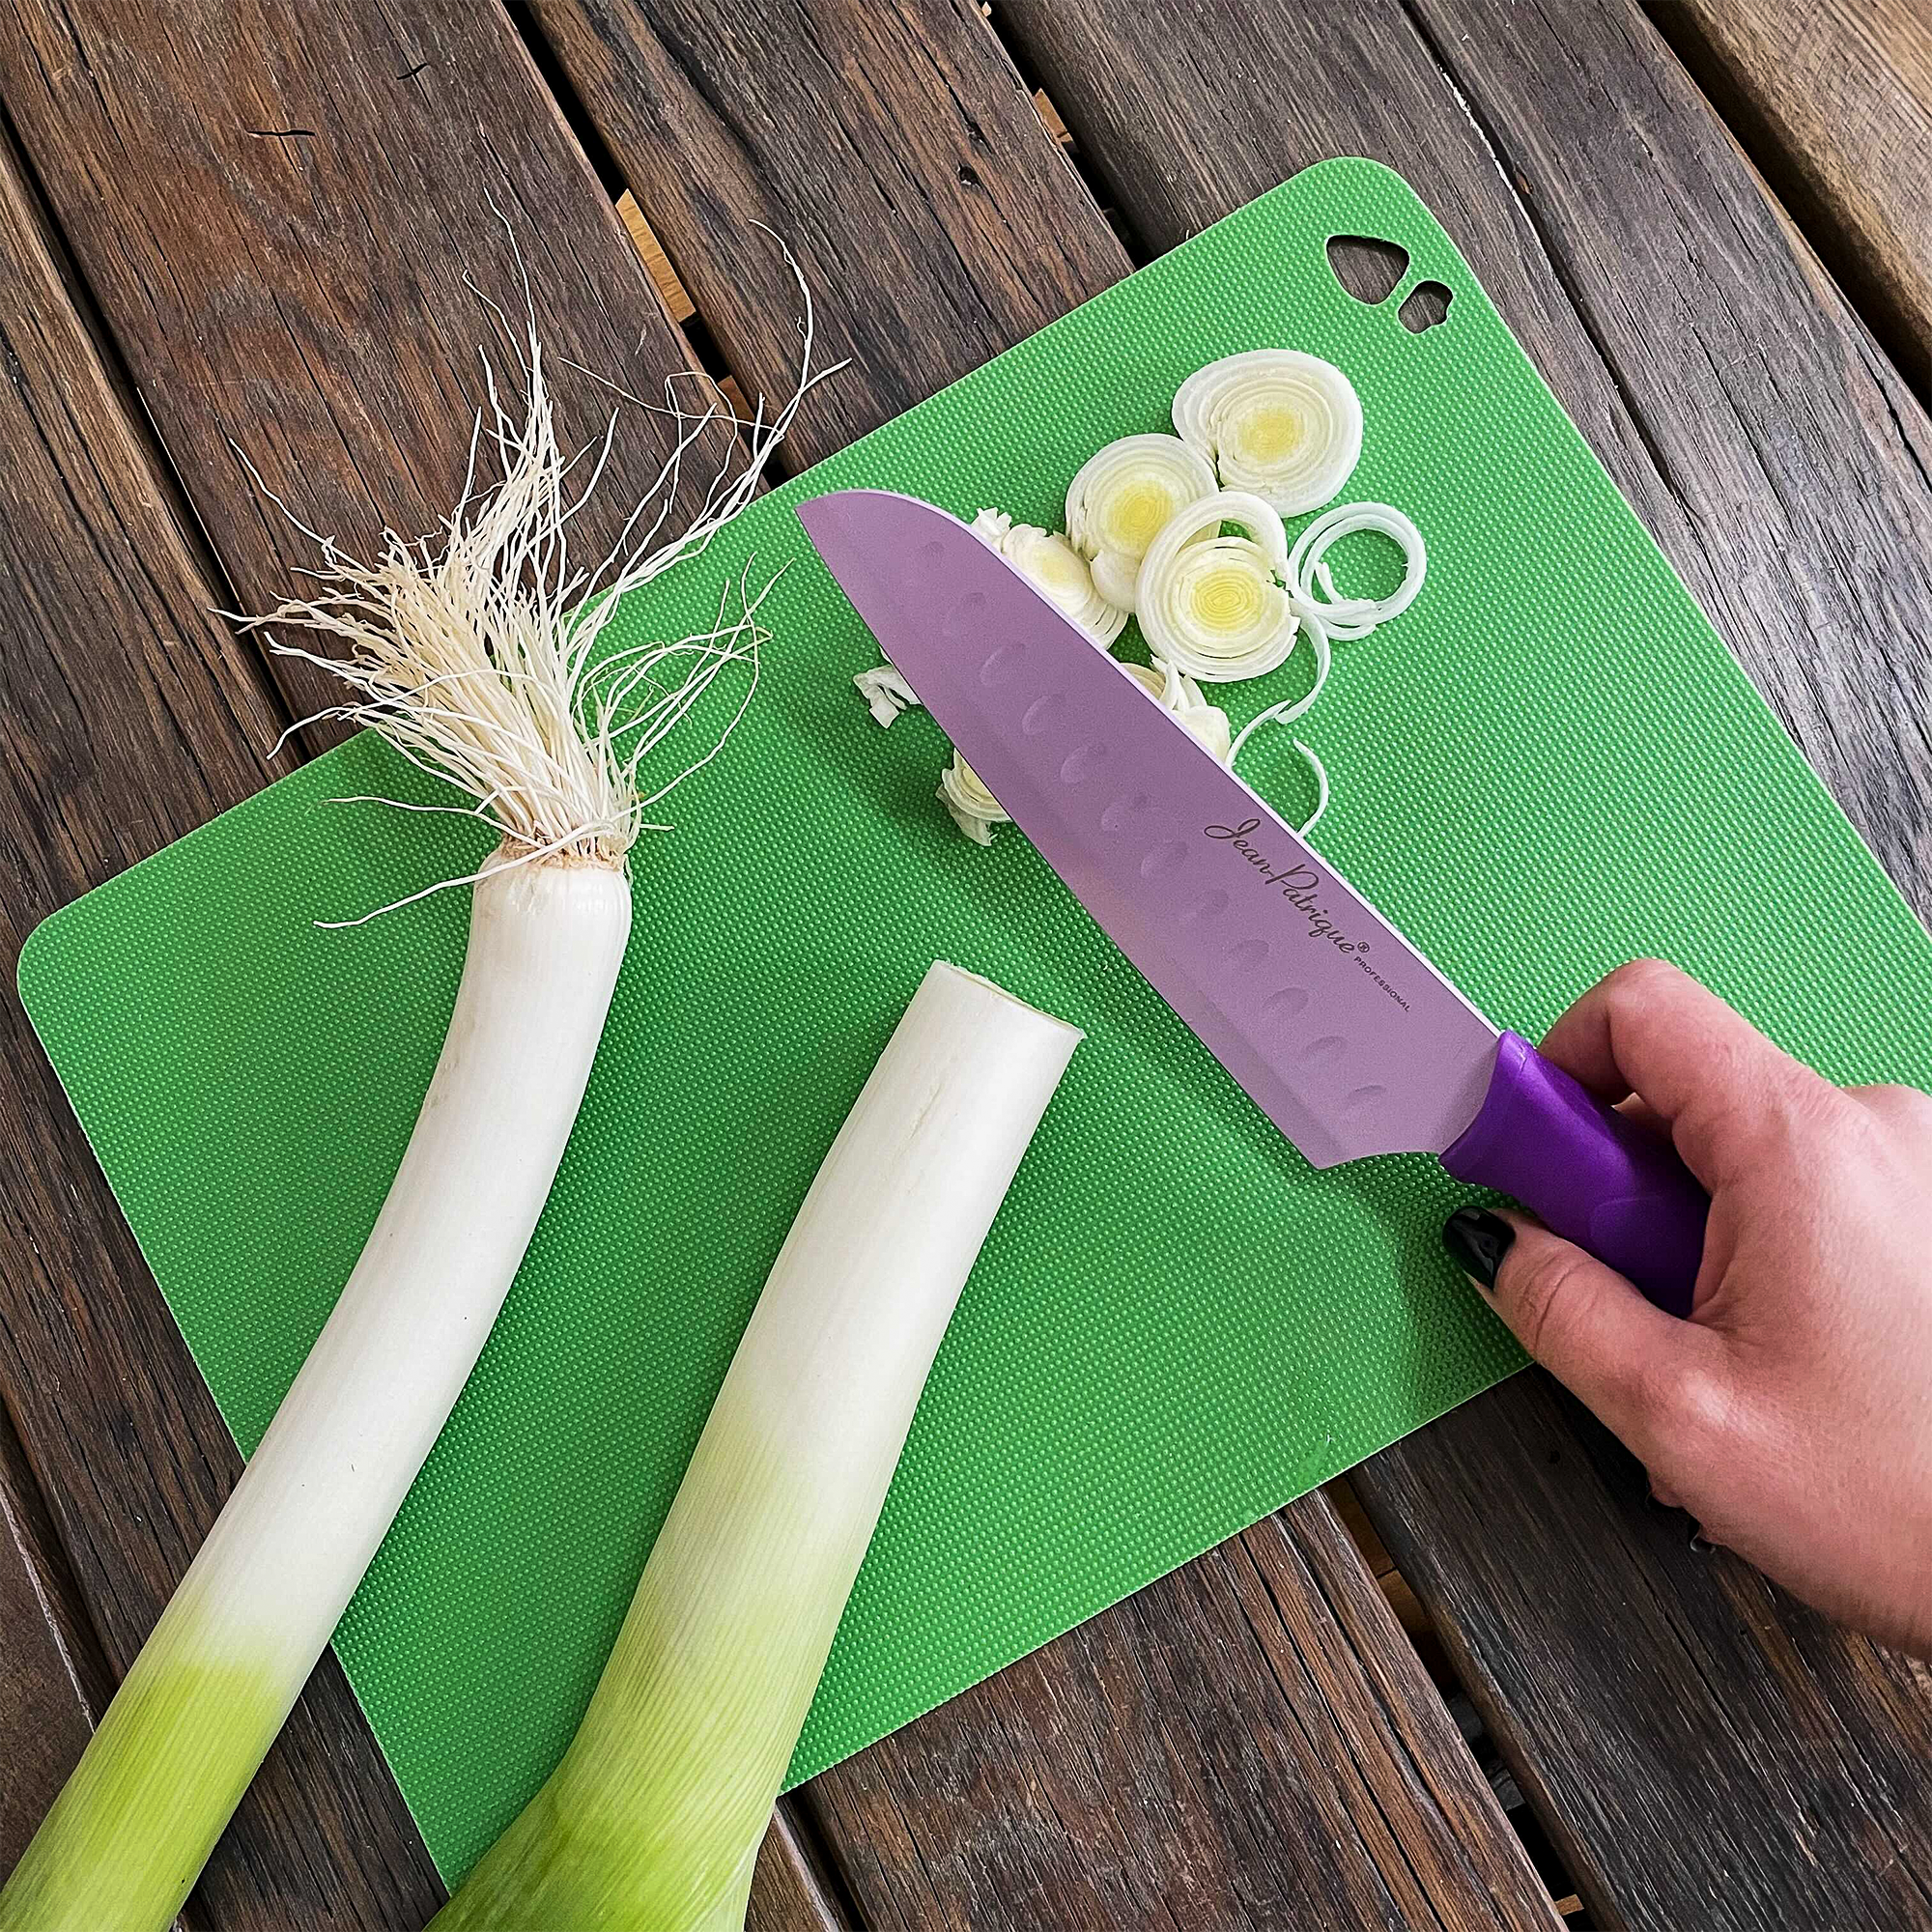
(1056, 570)
(1285, 425)
(221, 1669)
(1123, 497)
(653, 1819)
(1213, 606)
(469, 653)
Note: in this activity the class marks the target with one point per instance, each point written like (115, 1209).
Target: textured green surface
(1551, 763)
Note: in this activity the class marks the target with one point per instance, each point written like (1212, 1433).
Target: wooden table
(1712, 227)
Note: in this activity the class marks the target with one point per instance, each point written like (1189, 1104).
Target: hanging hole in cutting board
(1425, 305)
(1368, 268)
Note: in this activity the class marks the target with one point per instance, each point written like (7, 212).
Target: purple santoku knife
(1339, 1030)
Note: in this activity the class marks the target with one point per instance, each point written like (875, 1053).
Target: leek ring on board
(1123, 497)
(1206, 723)
(974, 809)
(1285, 425)
(1056, 570)
(884, 689)
(1308, 568)
(1213, 605)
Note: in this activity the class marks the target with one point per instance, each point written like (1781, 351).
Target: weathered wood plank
(1719, 1758)
(52, 1681)
(276, 208)
(1832, 98)
(892, 146)
(787, 1893)
(128, 715)
(1249, 1741)
(900, 153)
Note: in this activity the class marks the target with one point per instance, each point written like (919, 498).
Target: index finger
(1716, 1082)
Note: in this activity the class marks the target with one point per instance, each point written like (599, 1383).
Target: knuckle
(1694, 1404)
(1547, 1292)
(1901, 1106)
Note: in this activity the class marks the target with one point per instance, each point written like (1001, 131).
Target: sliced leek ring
(1056, 569)
(1308, 568)
(974, 809)
(1124, 496)
(1206, 723)
(1292, 708)
(1213, 605)
(1321, 772)
(1315, 765)
(1283, 424)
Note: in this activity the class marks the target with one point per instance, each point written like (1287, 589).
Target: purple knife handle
(1595, 1178)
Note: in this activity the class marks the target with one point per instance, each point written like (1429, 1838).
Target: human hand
(1792, 1412)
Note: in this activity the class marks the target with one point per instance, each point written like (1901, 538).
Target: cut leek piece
(974, 809)
(1292, 708)
(1124, 496)
(1054, 568)
(1309, 574)
(884, 689)
(1321, 772)
(1280, 423)
(1206, 723)
(653, 1818)
(1211, 605)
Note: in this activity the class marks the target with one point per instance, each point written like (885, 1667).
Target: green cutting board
(1551, 763)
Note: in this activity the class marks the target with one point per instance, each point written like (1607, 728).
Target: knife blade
(1344, 1035)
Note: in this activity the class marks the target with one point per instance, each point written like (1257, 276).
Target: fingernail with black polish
(1699, 1541)
(1477, 1243)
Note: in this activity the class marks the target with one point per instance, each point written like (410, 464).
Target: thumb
(1584, 1321)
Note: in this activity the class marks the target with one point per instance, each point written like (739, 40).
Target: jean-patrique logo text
(1301, 884)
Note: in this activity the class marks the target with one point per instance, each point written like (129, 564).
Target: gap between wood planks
(791, 1863)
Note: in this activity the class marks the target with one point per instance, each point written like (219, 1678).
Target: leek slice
(1321, 772)
(1285, 425)
(1206, 723)
(1309, 574)
(1213, 605)
(884, 689)
(974, 809)
(1124, 496)
(1056, 569)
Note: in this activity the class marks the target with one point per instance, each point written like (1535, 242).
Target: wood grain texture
(852, 130)
(788, 1893)
(276, 206)
(53, 1681)
(1250, 1740)
(892, 146)
(1719, 1758)
(1832, 98)
(128, 715)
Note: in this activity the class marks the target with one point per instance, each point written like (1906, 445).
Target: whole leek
(478, 654)
(653, 1819)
